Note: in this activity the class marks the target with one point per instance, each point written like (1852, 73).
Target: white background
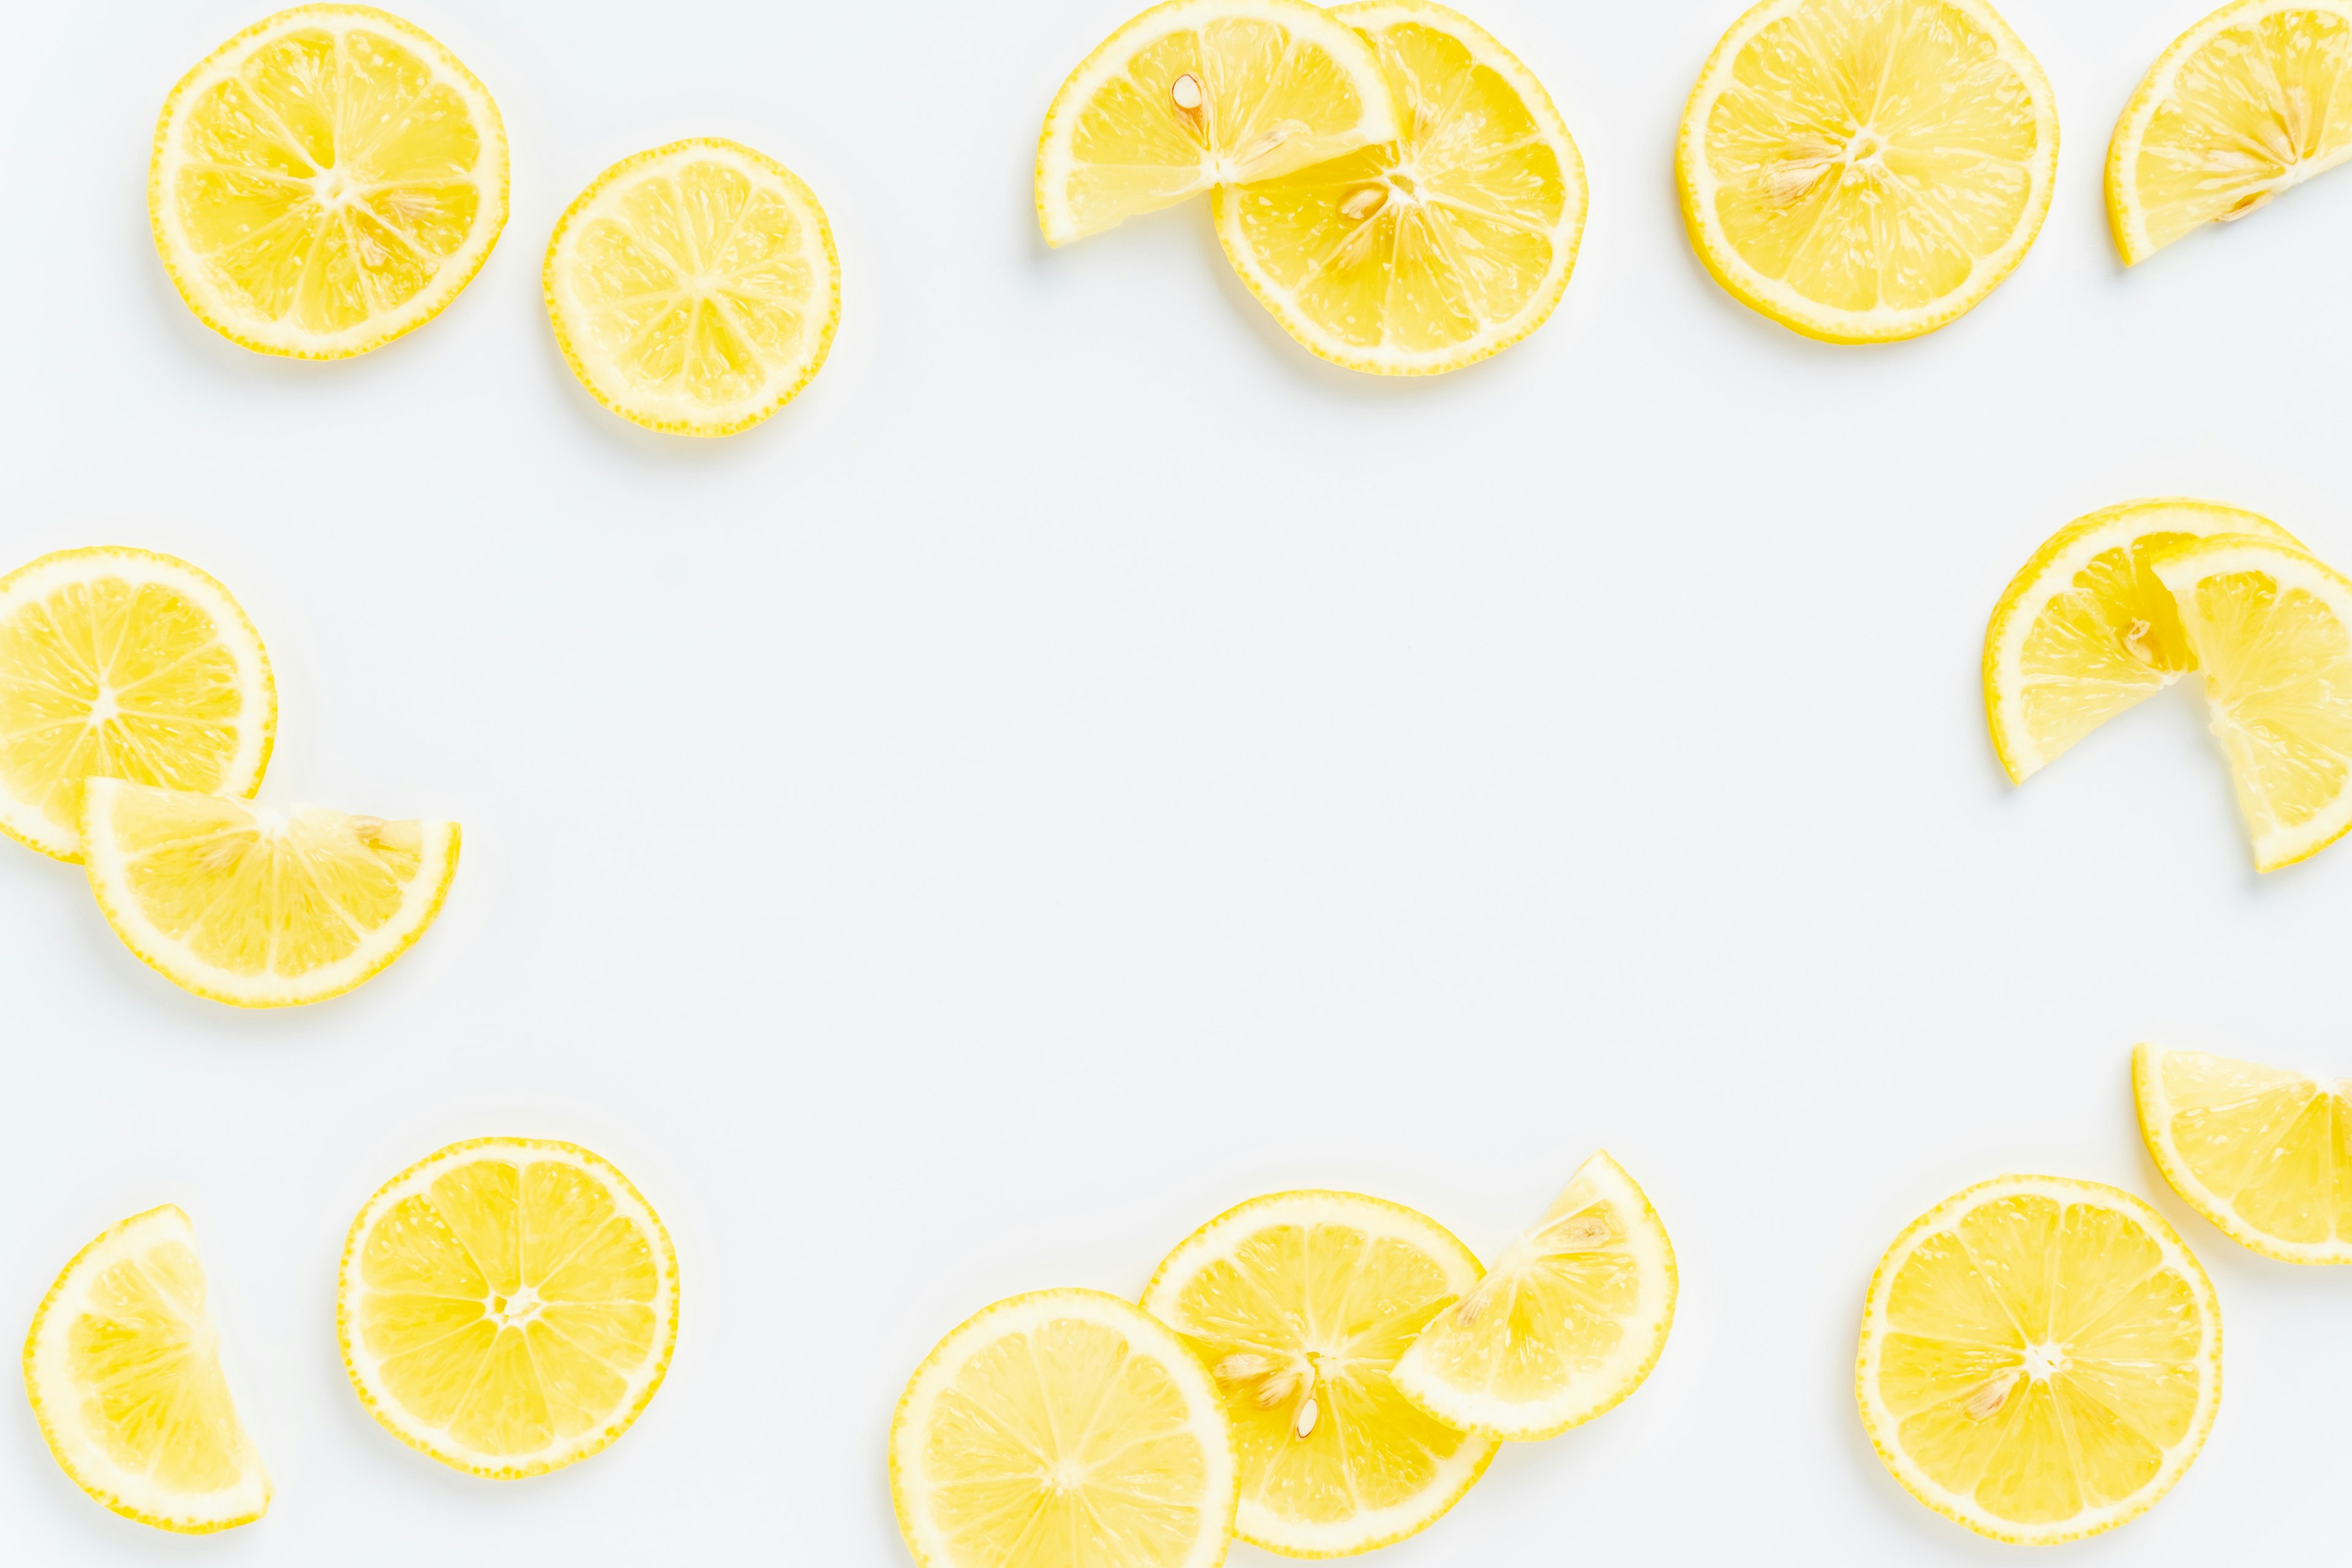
(1087, 763)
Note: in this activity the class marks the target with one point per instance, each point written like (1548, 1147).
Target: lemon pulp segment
(2265, 1154)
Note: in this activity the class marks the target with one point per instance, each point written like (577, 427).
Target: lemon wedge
(1062, 1429)
(123, 664)
(326, 181)
(258, 907)
(1862, 171)
(1434, 250)
(1564, 1325)
(123, 1369)
(508, 1305)
(1299, 1304)
(1198, 93)
(2265, 1154)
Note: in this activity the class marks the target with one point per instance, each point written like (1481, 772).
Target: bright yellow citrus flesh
(2265, 1154)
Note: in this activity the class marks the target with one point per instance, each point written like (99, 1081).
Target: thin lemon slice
(1198, 93)
(1564, 1325)
(1427, 253)
(2084, 630)
(1062, 1429)
(326, 181)
(694, 288)
(1300, 1303)
(2265, 1154)
(508, 1305)
(2272, 629)
(123, 1369)
(2040, 1358)
(2244, 105)
(259, 908)
(1862, 171)
(123, 664)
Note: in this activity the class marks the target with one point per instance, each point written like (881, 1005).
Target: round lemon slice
(1564, 1325)
(326, 181)
(259, 908)
(123, 664)
(2084, 630)
(123, 1369)
(2040, 1358)
(1062, 1429)
(1862, 171)
(1299, 1304)
(2265, 1154)
(1434, 250)
(508, 1305)
(2241, 107)
(694, 288)
(1199, 93)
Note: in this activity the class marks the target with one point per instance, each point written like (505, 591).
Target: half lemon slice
(2265, 1154)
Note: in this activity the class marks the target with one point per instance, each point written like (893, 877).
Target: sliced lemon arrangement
(2040, 1358)
(2264, 1153)
(1864, 171)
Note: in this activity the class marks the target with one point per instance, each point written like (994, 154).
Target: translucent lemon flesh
(508, 1305)
(2040, 1358)
(2265, 1154)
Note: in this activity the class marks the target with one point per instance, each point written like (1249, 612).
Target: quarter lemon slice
(123, 664)
(508, 1305)
(325, 181)
(123, 1369)
(1862, 171)
(2265, 1154)
(694, 288)
(2268, 624)
(1426, 253)
(1300, 1303)
(1062, 1429)
(1198, 93)
(2084, 630)
(1565, 1324)
(2243, 106)
(259, 908)
(2040, 1358)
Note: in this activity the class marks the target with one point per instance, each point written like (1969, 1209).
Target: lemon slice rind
(2157, 1116)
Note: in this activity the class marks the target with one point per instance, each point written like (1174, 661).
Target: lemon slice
(1062, 1429)
(123, 1370)
(694, 288)
(325, 181)
(1427, 253)
(2268, 624)
(1199, 93)
(1300, 1303)
(259, 908)
(1567, 1323)
(506, 1305)
(2084, 630)
(2238, 110)
(1862, 171)
(123, 664)
(2040, 1358)
(2265, 1154)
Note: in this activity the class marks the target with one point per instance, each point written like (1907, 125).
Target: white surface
(1087, 763)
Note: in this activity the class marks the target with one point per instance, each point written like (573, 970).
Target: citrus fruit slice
(2265, 1154)
(2238, 110)
(1862, 171)
(2040, 1358)
(123, 664)
(694, 288)
(1567, 1323)
(254, 906)
(2268, 624)
(506, 1305)
(1062, 1429)
(123, 1370)
(1299, 1304)
(2084, 630)
(326, 181)
(1423, 254)
(1198, 93)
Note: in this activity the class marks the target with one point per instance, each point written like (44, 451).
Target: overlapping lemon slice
(2265, 1154)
